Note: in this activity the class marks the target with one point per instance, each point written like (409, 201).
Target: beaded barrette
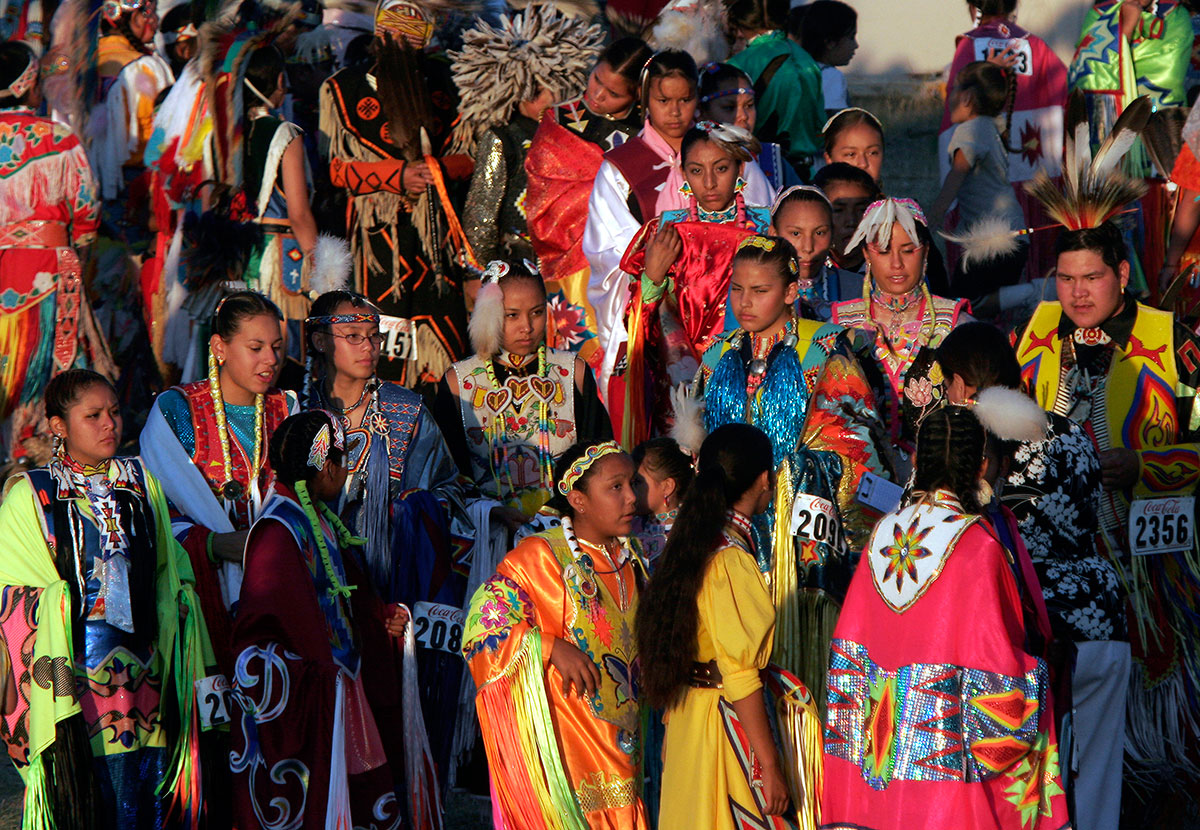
(495, 271)
(23, 83)
(764, 242)
(584, 463)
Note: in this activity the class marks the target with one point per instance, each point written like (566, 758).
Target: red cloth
(562, 168)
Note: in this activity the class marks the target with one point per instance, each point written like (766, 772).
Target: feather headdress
(877, 222)
(500, 66)
(1094, 188)
(693, 26)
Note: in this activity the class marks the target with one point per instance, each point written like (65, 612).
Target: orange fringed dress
(559, 761)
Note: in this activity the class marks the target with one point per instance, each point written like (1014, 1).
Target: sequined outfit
(929, 724)
(494, 215)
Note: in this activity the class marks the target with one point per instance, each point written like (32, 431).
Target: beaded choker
(742, 524)
(896, 303)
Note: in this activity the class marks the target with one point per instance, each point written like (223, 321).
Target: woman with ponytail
(938, 716)
(549, 641)
(705, 628)
(317, 677)
(98, 598)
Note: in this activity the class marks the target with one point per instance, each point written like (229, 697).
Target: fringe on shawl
(527, 773)
(801, 733)
(424, 802)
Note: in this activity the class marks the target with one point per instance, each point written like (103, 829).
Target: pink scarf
(669, 198)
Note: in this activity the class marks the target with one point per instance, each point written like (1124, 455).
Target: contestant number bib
(438, 627)
(1162, 525)
(1019, 46)
(400, 338)
(213, 700)
(814, 520)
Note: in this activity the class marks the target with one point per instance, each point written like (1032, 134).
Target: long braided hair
(950, 451)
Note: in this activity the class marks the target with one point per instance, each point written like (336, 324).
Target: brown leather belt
(705, 676)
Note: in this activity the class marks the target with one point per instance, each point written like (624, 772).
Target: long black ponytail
(731, 459)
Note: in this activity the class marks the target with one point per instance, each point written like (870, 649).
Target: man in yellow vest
(1128, 374)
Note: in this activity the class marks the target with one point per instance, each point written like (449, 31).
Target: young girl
(804, 217)
(904, 321)
(797, 381)
(896, 667)
(513, 408)
(855, 136)
(637, 182)
(850, 190)
(89, 563)
(978, 179)
(828, 30)
(664, 475)
(705, 627)
(402, 492)
(207, 443)
(549, 639)
(563, 161)
(728, 97)
(683, 258)
(310, 622)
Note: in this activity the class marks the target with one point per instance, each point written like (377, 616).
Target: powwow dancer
(549, 640)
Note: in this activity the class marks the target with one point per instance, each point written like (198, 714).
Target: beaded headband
(875, 122)
(24, 81)
(808, 188)
(113, 10)
(768, 244)
(584, 463)
(741, 90)
(336, 319)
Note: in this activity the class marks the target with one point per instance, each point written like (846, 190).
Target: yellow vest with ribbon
(1140, 411)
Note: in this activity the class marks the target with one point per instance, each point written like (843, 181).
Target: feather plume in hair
(331, 263)
(500, 66)
(1010, 415)
(694, 26)
(486, 327)
(988, 238)
(880, 217)
(1094, 188)
(688, 429)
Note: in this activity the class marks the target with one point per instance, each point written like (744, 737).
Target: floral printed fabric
(1053, 489)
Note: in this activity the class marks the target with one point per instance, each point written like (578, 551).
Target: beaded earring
(686, 190)
(740, 185)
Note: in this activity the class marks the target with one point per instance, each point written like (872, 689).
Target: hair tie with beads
(584, 463)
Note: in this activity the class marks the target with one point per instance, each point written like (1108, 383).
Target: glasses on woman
(356, 339)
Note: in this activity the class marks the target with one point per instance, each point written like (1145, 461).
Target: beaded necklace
(734, 213)
(499, 431)
(230, 489)
(895, 327)
(761, 349)
(616, 562)
(344, 413)
(742, 524)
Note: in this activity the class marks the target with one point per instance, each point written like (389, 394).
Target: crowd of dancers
(550, 402)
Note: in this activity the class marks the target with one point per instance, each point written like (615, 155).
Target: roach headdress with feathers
(1094, 188)
(500, 66)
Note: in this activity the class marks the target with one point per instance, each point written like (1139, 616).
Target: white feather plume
(331, 265)
(1010, 415)
(688, 430)
(694, 26)
(877, 222)
(985, 240)
(486, 327)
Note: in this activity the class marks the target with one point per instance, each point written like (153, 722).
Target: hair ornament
(338, 319)
(257, 94)
(787, 192)
(584, 463)
(24, 82)
(877, 222)
(496, 270)
(741, 90)
(1010, 415)
(114, 10)
(875, 122)
(319, 452)
(756, 241)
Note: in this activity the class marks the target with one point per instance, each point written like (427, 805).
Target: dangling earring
(59, 446)
(983, 493)
(740, 185)
(686, 190)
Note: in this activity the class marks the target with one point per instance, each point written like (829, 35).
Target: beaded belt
(705, 676)
(36, 233)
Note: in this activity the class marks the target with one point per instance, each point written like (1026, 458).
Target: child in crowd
(804, 217)
(828, 30)
(855, 136)
(978, 180)
(664, 473)
(850, 190)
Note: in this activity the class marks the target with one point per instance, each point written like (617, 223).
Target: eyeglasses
(356, 339)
